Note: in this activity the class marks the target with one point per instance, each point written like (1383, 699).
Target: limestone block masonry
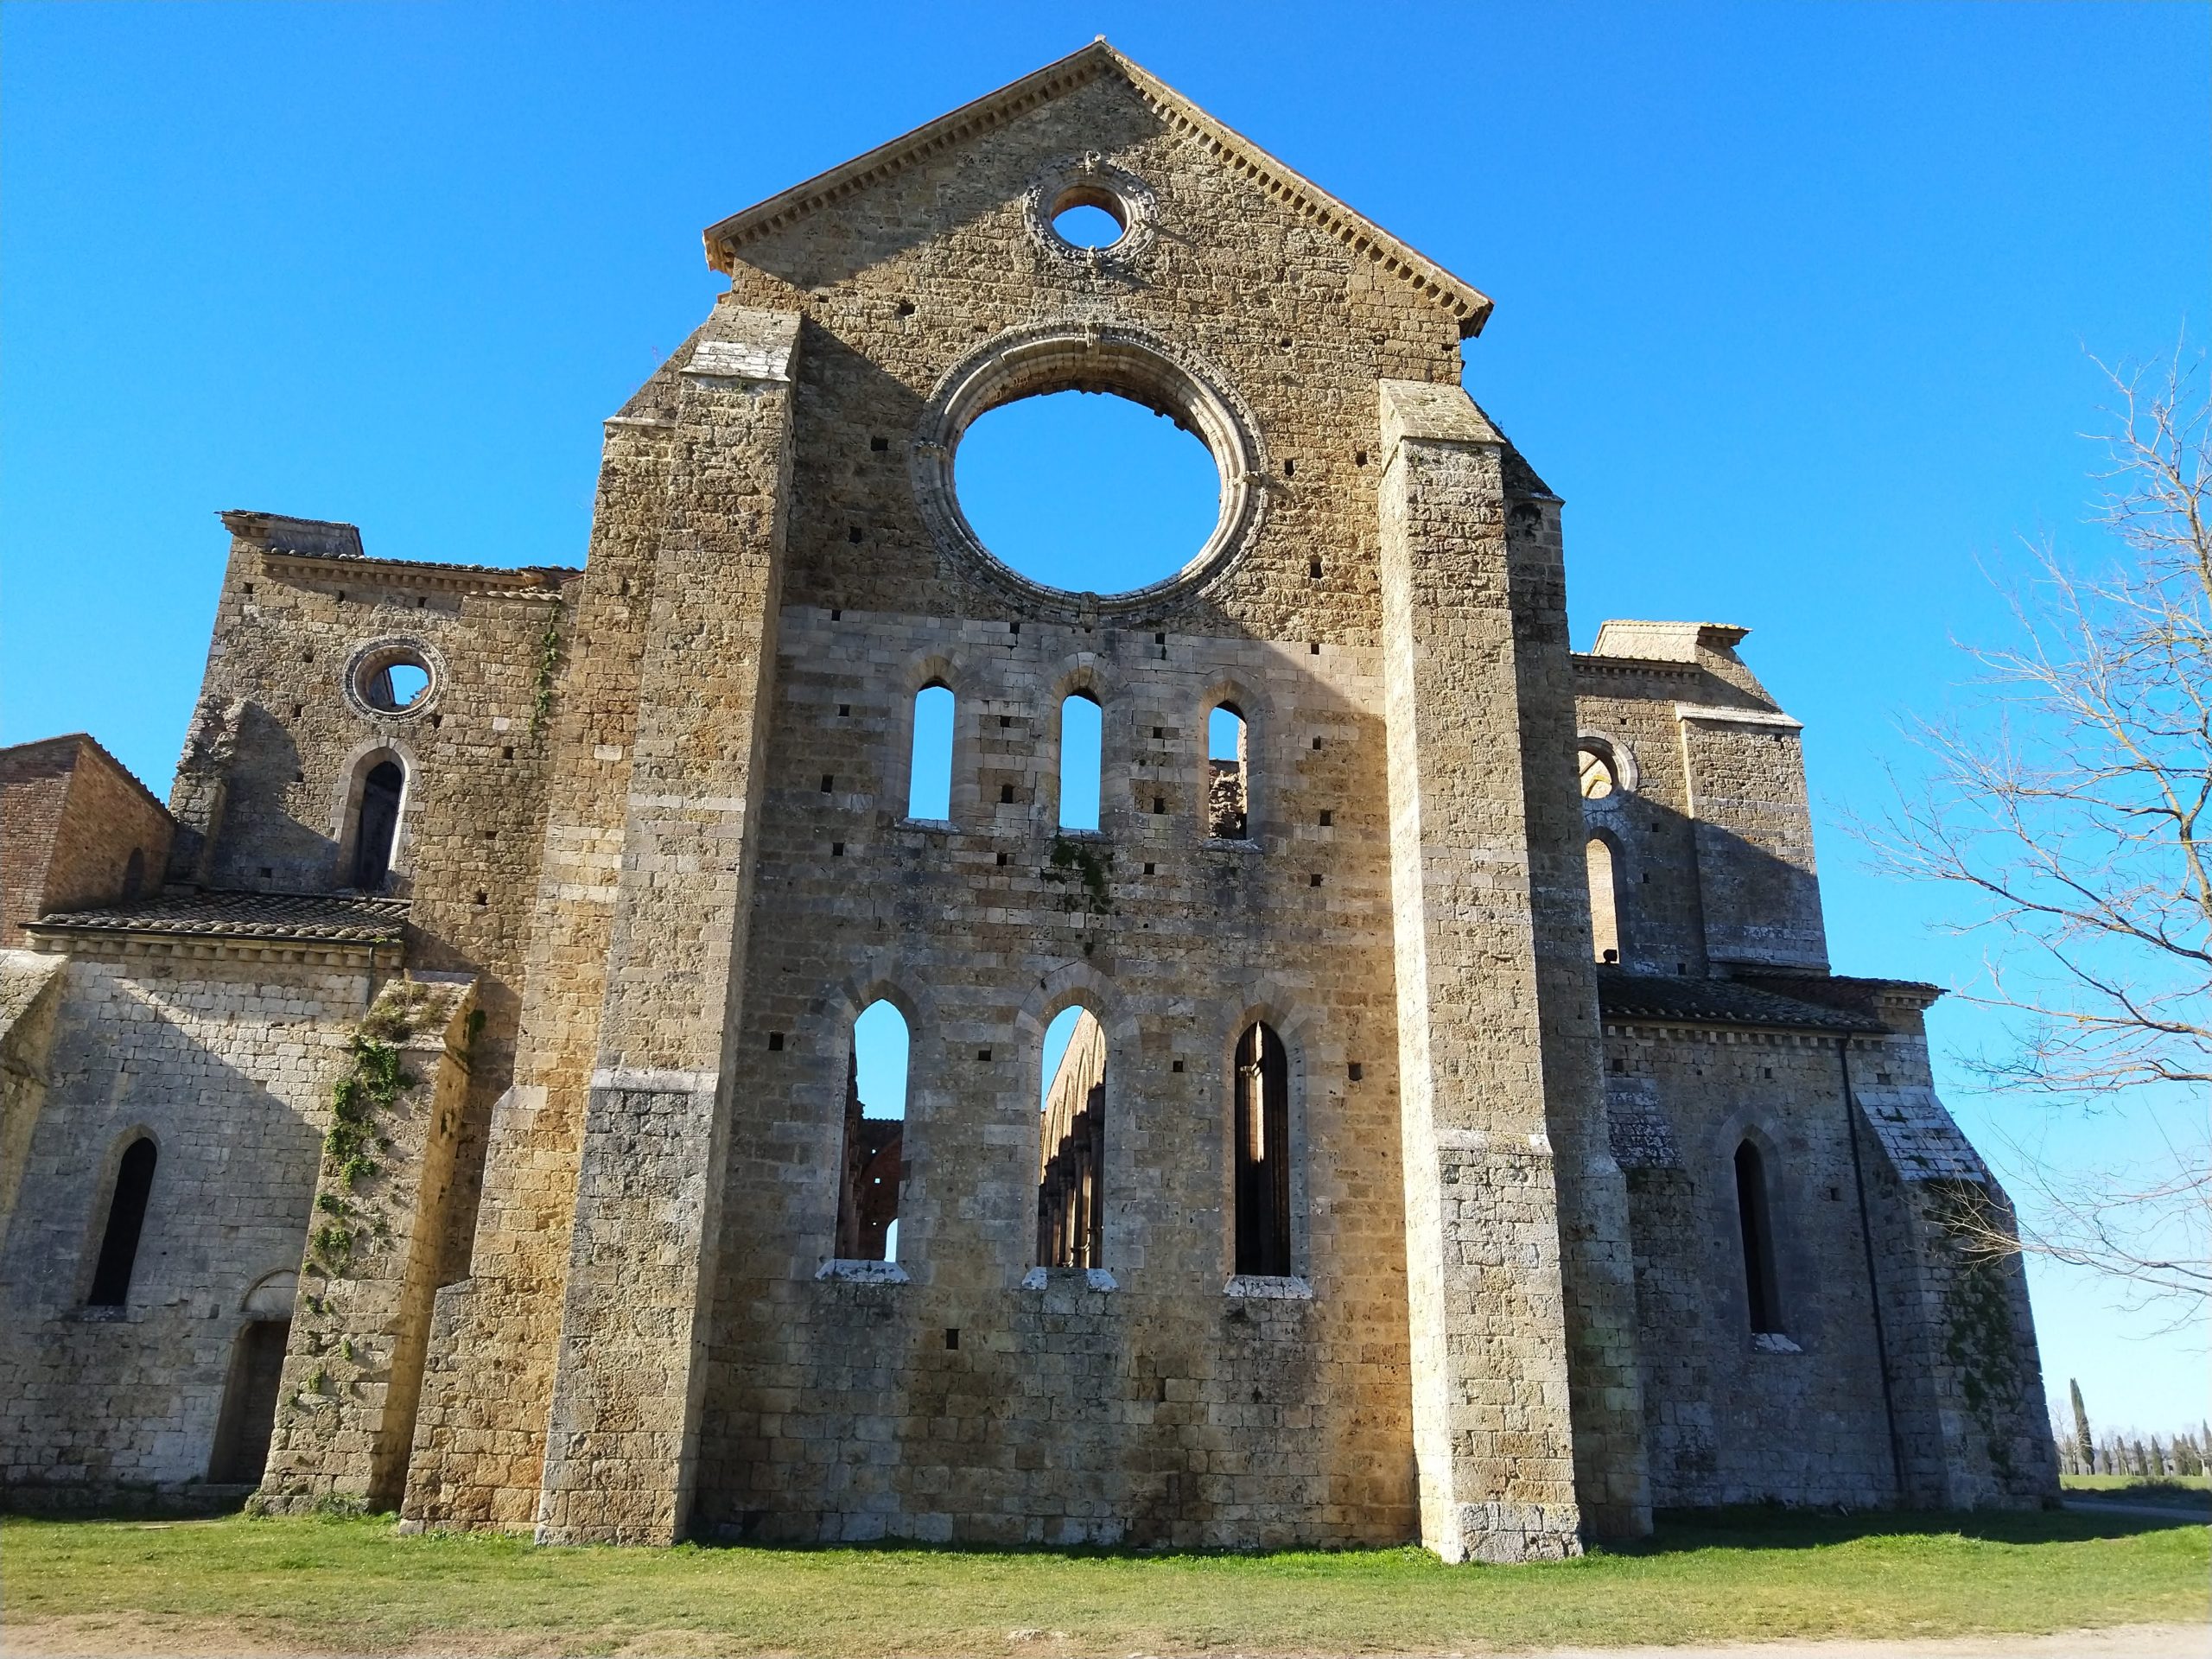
(444, 1103)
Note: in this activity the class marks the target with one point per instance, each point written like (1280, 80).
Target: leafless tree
(2071, 809)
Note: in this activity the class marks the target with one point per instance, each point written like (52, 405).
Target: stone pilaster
(353, 1362)
(1493, 1435)
(621, 1440)
(1597, 1264)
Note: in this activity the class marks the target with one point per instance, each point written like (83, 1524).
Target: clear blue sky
(1793, 305)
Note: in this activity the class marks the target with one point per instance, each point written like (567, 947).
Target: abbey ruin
(446, 1101)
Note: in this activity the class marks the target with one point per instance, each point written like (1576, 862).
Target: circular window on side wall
(392, 678)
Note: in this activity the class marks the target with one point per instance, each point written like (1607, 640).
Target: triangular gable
(724, 239)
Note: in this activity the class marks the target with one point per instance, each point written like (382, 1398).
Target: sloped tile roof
(1623, 995)
(344, 918)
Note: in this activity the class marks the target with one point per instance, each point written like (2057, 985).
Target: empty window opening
(929, 783)
(1605, 899)
(250, 1400)
(134, 873)
(875, 1124)
(1088, 220)
(1598, 778)
(1082, 733)
(1754, 1214)
(376, 826)
(126, 1220)
(1263, 1189)
(1071, 1142)
(1228, 774)
(395, 683)
(1147, 499)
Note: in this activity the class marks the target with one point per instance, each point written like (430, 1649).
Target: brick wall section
(70, 819)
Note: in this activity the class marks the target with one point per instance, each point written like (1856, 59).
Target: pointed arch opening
(1071, 1142)
(1603, 869)
(375, 829)
(1082, 760)
(929, 776)
(126, 1222)
(873, 1165)
(1229, 776)
(1262, 1183)
(1755, 1218)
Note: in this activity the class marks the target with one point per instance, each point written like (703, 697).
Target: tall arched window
(1229, 778)
(875, 1131)
(1071, 1143)
(1605, 899)
(1082, 736)
(1263, 1189)
(376, 824)
(1755, 1216)
(929, 778)
(126, 1220)
(134, 874)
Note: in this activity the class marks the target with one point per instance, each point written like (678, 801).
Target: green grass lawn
(359, 1586)
(2136, 1482)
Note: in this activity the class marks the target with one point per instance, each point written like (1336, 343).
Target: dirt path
(127, 1638)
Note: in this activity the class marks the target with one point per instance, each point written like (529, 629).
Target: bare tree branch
(2070, 812)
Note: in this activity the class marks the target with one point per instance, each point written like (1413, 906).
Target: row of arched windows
(1071, 1164)
(1070, 1145)
(1227, 806)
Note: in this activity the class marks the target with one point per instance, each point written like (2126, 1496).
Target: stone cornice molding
(532, 582)
(378, 956)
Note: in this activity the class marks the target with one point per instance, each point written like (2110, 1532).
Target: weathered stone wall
(1165, 1409)
(281, 723)
(71, 818)
(31, 995)
(655, 814)
(354, 1365)
(1733, 1418)
(227, 1058)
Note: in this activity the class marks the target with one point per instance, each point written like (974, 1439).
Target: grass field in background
(2137, 1483)
(357, 1586)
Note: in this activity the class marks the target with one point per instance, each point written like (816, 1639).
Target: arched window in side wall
(376, 825)
(1755, 1216)
(1082, 742)
(929, 778)
(126, 1220)
(1262, 1188)
(875, 1136)
(1605, 899)
(1228, 774)
(134, 874)
(1071, 1143)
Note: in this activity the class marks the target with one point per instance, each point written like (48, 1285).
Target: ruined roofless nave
(446, 1101)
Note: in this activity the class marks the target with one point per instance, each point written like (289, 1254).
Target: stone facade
(576, 881)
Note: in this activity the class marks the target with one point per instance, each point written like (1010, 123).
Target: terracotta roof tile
(348, 918)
